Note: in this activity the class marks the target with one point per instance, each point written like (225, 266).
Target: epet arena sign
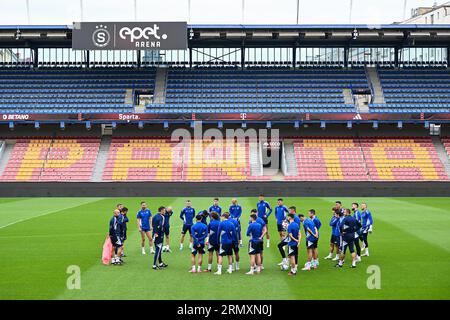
(129, 36)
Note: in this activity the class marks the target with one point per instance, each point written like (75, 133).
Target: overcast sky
(209, 11)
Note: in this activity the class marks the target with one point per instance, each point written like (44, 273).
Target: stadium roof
(393, 35)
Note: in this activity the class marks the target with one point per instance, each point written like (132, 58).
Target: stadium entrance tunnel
(271, 156)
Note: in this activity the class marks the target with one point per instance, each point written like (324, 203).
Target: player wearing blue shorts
(235, 213)
(284, 241)
(213, 239)
(226, 236)
(311, 239)
(144, 221)
(367, 225)
(348, 226)
(256, 233)
(280, 214)
(187, 216)
(317, 224)
(168, 213)
(294, 236)
(236, 240)
(265, 230)
(264, 211)
(199, 233)
(335, 240)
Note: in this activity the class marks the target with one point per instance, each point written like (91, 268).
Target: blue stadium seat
(71, 91)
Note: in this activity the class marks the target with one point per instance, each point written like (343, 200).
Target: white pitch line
(47, 213)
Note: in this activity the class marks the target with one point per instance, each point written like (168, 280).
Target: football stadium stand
(224, 90)
(394, 159)
(160, 159)
(47, 159)
(402, 159)
(65, 90)
(414, 90)
(446, 142)
(329, 159)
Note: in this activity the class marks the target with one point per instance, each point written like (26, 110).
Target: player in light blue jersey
(367, 227)
(144, 222)
(317, 224)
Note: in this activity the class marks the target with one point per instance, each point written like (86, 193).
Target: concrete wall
(229, 189)
(285, 130)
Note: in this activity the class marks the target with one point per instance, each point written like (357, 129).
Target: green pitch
(41, 237)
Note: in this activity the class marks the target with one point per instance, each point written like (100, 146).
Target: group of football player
(219, 234)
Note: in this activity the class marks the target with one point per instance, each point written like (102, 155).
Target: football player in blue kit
(187, 216)
(199, 233)
(312, 235)
(256, 232)
(144, 222)
(358, 233)
(284, 241)
(264, 211)
(167, 215)
(226, 236)
(335, 240)
(235, 213)
(236, 241)
(215, 207)
(348, 227)
(318, 224)
(294, 235)
(280, 214)
(213, 239)
(367, 226)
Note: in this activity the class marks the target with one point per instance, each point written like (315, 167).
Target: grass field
(41, 237)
